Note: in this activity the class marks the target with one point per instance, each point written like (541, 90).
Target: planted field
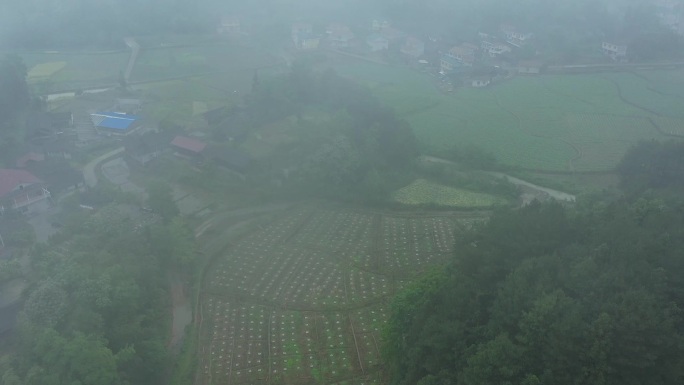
(421, 192)
(53, 72)
(304, 298)
(550, 122)
(44, 70)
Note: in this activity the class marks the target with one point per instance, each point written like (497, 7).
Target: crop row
(249, 343)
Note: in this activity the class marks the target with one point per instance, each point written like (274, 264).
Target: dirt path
(181, 311)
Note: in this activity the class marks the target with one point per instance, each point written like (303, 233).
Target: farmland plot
(304, 298)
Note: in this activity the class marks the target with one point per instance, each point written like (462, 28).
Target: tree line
(98, 307)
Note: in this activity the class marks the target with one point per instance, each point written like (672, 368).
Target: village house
(480, 82)
(494, 49)
(413, 47)
(378, 25)
(377, 42)
(515, 37)
(617, 52)
(20, 190)
(48, 124)
(339, 35)
(59, 147)
(448, 64)
(188, 147)
(463, 54)
(129, 106)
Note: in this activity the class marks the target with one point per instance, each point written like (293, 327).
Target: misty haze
(379, 192)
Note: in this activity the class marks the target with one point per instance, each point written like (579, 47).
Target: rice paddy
(547, 123)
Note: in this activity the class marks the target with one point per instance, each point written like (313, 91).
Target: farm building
(230, 158)
(515, 37)
(142, 149)
(494, 49)
(615, 51)
(529, 67)
(413, 47)
(377, 42)
(339, 35)
(448, 64)
(45, 124)
(116, 123)
(129, 106)
(59, 174)
(20, 190)
(480, 82)
(306, 41)
(463, 54)
(188, 147)
(47, 148)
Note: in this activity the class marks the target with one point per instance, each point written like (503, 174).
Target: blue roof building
(116, 121)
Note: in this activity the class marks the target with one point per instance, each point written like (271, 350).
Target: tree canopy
(549, 295)
(553, 295)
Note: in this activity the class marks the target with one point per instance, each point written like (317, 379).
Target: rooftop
(189, 144)
(10, 179)
(113, 120)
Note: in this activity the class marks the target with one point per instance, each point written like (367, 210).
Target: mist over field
(379, 192)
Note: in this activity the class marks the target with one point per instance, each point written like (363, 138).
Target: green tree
(160, 200)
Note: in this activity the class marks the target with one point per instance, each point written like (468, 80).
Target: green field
(422, 192)
(54, 72)
(551, 122)
(170, 62)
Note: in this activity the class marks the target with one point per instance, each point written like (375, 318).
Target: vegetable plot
(302, 299)
(423, 192)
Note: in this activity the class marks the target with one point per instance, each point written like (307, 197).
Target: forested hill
(551, 295)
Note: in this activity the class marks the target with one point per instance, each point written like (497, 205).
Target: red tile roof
(10, 179)
(189, 144)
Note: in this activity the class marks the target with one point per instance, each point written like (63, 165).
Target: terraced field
(303, 299)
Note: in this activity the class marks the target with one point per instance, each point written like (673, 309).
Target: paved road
(135, 50)
(89, 170)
